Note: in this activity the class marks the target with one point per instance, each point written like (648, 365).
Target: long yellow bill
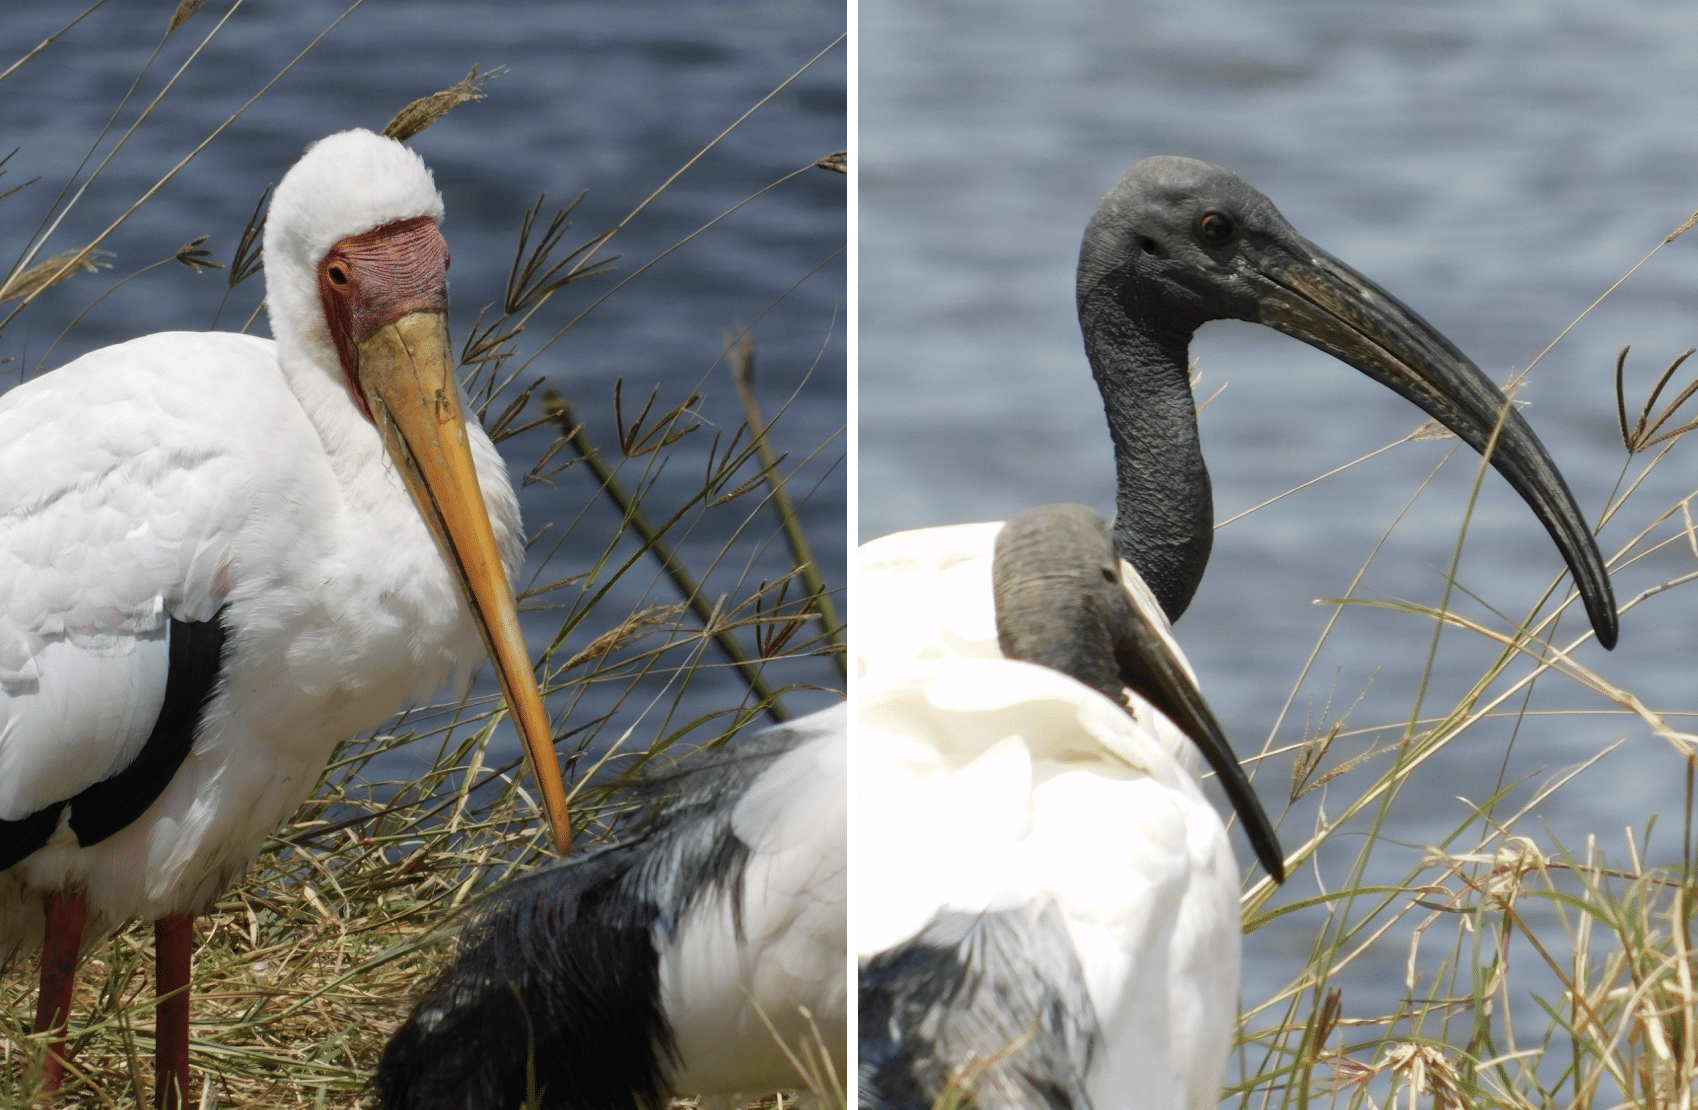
(406, 373)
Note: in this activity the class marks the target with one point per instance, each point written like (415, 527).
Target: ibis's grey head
(1178, 243)
(1060, 603)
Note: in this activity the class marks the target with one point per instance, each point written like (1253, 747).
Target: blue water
(604, 97)
(1494, 166)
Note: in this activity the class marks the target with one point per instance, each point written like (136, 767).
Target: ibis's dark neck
(1164, 507)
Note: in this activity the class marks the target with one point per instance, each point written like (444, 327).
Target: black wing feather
(196, 660)
(557, 976)
(999, 992)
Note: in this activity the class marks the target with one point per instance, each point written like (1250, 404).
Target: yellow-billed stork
(219, 555)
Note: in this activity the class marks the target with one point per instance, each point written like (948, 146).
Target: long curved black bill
(1150, 669)
(1325, 303)
(1060, 603)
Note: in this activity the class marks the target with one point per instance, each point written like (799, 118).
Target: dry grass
(426, 110)
(302, 972)
(45, 275)
(1535, 973)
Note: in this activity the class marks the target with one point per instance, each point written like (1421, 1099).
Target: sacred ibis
(1177, 243)
(704, 954)
(993, 844)
(219, 555)
(1045, 905)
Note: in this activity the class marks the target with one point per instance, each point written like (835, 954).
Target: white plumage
(780, 955)
(194, 477)
(186, 475)
(990, 784)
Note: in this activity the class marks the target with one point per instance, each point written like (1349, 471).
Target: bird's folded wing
(129, 475)
(983, 784)
(794, 819)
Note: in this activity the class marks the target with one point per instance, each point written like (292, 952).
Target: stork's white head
(356, 277)
(343, 186)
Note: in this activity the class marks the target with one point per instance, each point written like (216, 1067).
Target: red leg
(173, 943)
(66, 913)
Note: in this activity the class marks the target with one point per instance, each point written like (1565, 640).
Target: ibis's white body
(717, 982)
(984, 783)
(184, 473)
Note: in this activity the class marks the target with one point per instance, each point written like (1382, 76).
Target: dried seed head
(1685, 225)
(44, 275)
(185, 8)
(1431, 429)
(836, 162)
(426, 110)
(1428, 1071)
(197, 257)
(630, 630)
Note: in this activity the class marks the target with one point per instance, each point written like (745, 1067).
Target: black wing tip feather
(557, 974)
(196, 664)
(196, 661)
(555, 983)
(1003, 989)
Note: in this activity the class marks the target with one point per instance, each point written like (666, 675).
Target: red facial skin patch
(368, 280)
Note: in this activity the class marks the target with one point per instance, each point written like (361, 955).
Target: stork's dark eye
(1215, 228)
(337, 272)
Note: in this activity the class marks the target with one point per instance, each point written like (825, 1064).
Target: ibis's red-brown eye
(338, 273)
(1215, 228)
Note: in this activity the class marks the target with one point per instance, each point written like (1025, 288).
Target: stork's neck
(1164, 506)
(352, 445)
(312, 366)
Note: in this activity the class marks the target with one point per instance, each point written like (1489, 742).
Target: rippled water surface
(1494, 166)
(597, 97)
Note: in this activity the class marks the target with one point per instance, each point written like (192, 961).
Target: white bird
(1007, 823)
(1045, 905)
(219, 555)
(703, 955)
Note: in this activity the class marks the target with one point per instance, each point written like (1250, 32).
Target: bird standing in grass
(219, 555)
(704, 954)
